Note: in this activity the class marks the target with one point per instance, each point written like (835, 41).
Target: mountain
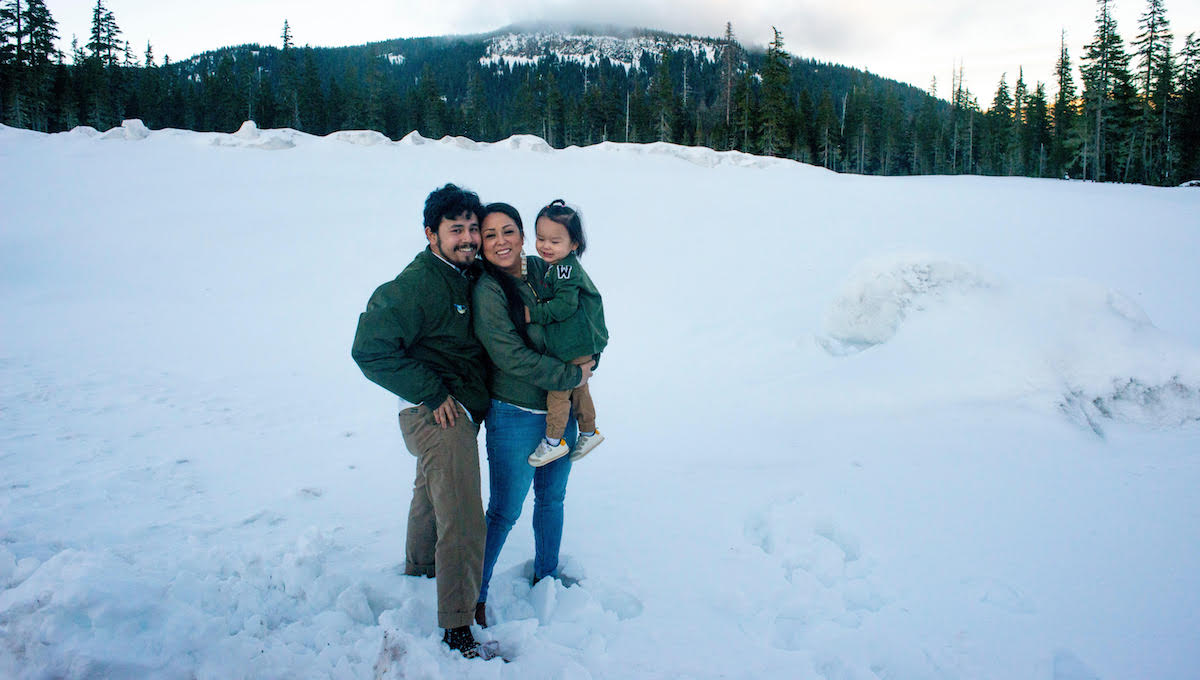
(572, 85)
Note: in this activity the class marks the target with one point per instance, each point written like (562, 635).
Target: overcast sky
(910, 41)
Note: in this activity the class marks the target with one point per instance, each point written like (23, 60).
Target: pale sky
(911, 42)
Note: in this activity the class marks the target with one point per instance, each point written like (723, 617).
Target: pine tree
(1037, 132)
(730, 56)
(1064, 115)
(434, 119)
(664, 99)
(1155, 81)
(104, 43)
(77, 53)
(1106, 65)
(1188, 115)
(745, 115)
(13, 33)
(289, 79)
(309, 107)
(42, 33)
(999, 129)
(776, 104)
(474, 106)
(826, 131)
(1019, 142)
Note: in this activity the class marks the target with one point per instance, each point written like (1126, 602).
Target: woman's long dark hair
(512, 293)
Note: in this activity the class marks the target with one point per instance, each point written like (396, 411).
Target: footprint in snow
(825, 578)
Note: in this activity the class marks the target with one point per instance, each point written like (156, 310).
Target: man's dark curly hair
(450, 202)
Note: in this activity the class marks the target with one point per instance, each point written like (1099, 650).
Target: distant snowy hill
(857, 427)
(591, 49)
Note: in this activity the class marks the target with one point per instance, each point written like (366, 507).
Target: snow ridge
(250, 136)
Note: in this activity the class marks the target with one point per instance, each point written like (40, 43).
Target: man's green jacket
(415, 338)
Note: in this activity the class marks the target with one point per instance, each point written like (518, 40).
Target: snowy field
(857, 427)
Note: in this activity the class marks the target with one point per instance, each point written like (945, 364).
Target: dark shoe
(460, 640)
(481, 615)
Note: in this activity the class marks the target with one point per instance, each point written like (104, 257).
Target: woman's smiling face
(502, 241)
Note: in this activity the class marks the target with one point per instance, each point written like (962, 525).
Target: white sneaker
(585, 444)
(548, 453)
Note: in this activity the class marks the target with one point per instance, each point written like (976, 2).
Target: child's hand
(527, 319)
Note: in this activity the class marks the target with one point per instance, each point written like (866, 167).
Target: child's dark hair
(448, 203)
(560, 212)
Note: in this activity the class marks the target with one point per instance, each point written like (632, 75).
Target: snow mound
(414, 138)
(465, 143)
(1070, 346)
(132, 130)
(7, 132)
(250, 136)
(700, 155)
(248, 131)
(525, 143)
(1191, 183)
(85, 131)
(360, 137)
(1115, 365)
(881, 292)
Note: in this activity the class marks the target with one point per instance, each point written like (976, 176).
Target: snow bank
(414, 138)
(524, 143)
(881, 292)
(85, 131)
(132, 130)
(1093, 348)
(250, 136)
(359, 137)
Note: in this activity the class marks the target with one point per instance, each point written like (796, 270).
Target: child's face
(553, 242)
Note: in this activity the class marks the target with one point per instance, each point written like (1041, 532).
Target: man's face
(456, 239)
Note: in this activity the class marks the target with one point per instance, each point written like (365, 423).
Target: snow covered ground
(857, 427)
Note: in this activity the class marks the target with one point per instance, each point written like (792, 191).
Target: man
(415, 340)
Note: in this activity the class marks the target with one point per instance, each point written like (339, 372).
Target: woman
(519, 378)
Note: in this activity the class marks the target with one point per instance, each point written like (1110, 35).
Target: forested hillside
(1133, 117)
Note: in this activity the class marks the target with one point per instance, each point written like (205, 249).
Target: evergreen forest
(1133, 114)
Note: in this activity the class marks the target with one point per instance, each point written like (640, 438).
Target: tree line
(1134, 117)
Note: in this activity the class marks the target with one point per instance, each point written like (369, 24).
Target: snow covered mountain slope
(857, 427)
(590, 49)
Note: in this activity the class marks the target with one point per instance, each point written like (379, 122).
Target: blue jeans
(512, 434)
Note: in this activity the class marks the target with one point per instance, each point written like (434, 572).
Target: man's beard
(461, 256)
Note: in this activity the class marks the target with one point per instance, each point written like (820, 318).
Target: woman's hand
(587, 373)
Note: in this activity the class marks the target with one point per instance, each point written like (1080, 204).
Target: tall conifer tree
(776, 103)
(1156, 84)
(1064, 114)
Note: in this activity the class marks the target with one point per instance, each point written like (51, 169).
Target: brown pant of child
(559, 403)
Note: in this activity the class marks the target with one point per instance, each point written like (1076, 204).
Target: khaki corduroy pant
(559, 403)
(446, 529)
